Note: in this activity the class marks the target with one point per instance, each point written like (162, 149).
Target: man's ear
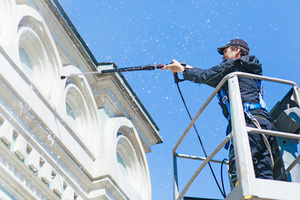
(237, 52)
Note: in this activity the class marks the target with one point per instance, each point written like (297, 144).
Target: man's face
(232, 54)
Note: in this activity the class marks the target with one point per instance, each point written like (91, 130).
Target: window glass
(121, 164)
(25, 61)
(71, 115)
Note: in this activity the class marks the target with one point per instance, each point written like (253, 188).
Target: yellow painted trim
(248, 197)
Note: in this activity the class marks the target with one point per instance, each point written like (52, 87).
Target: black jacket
(212, 76)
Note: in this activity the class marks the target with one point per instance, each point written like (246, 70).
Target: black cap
(234, 42)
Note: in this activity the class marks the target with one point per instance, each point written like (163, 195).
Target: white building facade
(83, 137)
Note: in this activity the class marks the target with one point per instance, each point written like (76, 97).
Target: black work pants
(260, 154)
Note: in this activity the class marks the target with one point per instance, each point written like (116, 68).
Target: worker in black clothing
(236, 58)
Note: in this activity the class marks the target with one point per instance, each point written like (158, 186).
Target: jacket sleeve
(211, 76)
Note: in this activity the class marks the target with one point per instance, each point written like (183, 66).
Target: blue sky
(139, 32)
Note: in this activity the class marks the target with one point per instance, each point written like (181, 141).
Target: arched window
(32, 54)
(76, 109)
(39, 60)
(127, 158)
(81, 111)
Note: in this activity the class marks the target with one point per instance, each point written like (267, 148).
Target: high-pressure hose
(177, 80)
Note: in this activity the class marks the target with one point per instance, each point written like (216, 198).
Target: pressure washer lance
(126, 69)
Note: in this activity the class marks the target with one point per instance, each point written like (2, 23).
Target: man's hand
(175, 66)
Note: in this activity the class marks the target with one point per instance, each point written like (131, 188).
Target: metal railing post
(244, 166)
(175, 178)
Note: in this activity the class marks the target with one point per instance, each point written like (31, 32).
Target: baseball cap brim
(221, 49)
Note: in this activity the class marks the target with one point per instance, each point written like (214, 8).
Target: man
(236, 58)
